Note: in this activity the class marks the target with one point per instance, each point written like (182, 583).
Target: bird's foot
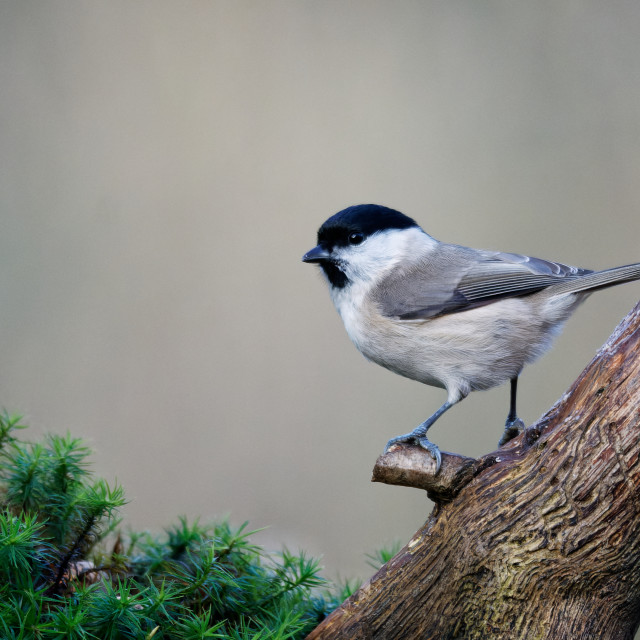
(419, 438)
(512, 428)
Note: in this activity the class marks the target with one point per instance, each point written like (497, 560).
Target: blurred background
(163, 167)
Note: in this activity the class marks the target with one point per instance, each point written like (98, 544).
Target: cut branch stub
(543, 540)
(412, 466)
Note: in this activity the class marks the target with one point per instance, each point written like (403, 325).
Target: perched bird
(449, 316)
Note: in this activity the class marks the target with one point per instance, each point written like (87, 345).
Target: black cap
(366, 219)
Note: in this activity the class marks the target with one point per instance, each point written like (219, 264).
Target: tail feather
(599, 279)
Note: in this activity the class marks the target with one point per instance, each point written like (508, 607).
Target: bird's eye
(356, 238)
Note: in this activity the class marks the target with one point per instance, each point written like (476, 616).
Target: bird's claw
(512, 429)
(433, 450)
(422, 441)
(407, 438)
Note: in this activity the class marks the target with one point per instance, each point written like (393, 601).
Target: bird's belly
(473, 350)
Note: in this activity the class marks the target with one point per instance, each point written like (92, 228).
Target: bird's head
(361, 243)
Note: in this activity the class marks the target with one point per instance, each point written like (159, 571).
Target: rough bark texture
(540, 539)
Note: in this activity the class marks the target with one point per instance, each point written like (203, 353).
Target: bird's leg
(419, 436)
(514, 425)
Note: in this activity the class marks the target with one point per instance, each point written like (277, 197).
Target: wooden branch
(540, 539)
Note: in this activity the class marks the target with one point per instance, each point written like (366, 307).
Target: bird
(446, 315)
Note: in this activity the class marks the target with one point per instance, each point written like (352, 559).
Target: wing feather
(453, 279)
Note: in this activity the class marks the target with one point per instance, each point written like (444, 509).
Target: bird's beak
(317, 254)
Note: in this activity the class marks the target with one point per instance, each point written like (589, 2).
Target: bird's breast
(385, 341)
(355, 312)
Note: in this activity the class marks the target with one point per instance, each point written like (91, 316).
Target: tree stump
(540, 539)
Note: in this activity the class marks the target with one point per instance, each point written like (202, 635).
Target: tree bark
(540, 539)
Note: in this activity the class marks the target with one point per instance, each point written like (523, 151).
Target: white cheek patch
(381, 252)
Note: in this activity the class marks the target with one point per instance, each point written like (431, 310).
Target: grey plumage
(449, 316)
(452, 278)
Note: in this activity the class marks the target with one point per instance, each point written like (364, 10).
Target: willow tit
(449, 316)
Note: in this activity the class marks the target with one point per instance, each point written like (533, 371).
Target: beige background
(164, 166)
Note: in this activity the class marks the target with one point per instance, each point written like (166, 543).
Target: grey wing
(454, 279)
